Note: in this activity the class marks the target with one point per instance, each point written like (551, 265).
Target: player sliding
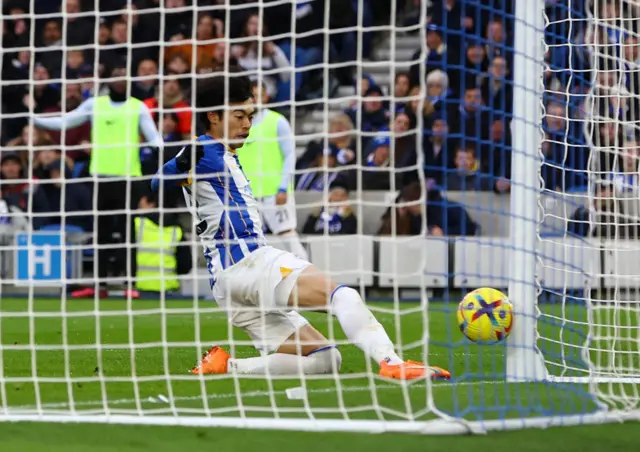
(258, 286)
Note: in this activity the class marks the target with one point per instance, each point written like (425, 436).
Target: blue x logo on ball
(486, 309)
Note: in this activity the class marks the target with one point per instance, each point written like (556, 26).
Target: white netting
(402, 117)
(590, 204)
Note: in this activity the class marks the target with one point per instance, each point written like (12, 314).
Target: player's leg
(313, 289)
(305, 351)
(282, 221)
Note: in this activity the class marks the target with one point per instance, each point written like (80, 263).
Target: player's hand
(281, 198)
(184, 158)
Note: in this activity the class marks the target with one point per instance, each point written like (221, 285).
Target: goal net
(439, 147)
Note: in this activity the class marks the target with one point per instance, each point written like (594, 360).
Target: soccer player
(268, 159)
(258, 286)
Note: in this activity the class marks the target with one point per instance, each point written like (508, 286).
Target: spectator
(418, 99)
(16, 31)
(15, 70)
(45, 96)
(604, 217)
(408, 215)
(205, 49)
(470, 71)
(468, 178)
(79, 29)
(361, 87)
(43, 159)
(627, 179)
(177, 20)
(341, 140)
(309, 27)
(376, 175)
(318, 174)
(145, 87)
(496, 40)
(401, 88)
(17, 192)
(497, 92)
(373, 116)
(337, 218)
(73, 202)
(120, 45)
(438, 88)
(471, 121)
(51, 56)
(75, 64)
(436, 57)
(404, 148)
(172, 102)
(30, 139)
(145, 30)
(270, 59)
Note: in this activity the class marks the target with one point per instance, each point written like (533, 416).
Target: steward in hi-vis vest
(162, 251)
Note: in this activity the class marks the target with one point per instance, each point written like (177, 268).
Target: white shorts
(255, 293)
(281, 218)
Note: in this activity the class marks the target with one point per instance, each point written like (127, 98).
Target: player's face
(236, 125)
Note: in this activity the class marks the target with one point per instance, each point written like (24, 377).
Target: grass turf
(52, 362)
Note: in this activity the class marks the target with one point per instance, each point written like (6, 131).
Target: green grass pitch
(52, 362)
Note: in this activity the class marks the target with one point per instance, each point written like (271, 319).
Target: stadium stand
(465, 120)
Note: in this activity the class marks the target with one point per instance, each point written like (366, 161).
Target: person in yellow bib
(163, 252)
(268, 158)
(117, 121)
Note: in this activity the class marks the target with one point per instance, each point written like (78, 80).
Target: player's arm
(69, 120)
(177, 170)
(287, 148)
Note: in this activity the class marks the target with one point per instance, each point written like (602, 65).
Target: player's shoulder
(214, 151)
(209, 144)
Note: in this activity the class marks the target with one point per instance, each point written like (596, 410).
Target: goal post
(373, 98)
(524, 361)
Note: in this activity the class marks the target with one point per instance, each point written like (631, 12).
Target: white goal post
(541, 232)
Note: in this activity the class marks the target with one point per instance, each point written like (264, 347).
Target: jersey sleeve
(211, 166)
(169, 176)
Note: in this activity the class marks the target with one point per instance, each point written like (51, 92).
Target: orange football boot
(410, 370)
(213, 362)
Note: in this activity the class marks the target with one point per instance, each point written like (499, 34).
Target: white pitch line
(251, 394)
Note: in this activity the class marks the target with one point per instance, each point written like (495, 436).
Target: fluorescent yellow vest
(115, 138)
(156, 256)
(260, 156)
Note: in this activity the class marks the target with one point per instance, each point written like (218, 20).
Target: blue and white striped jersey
(228, 222)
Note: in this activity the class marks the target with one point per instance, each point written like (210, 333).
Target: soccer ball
(485, 315)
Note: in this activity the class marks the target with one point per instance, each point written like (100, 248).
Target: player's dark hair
(213, 93)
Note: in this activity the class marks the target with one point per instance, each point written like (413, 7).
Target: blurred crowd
(451, 110)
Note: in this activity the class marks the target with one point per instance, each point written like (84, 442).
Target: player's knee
(345, 295)
(289, 232)
(328, 360)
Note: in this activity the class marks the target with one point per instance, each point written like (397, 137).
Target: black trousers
(117, 201)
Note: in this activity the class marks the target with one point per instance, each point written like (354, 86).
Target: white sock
(323, 361)
(295, 247)
(361, 326)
